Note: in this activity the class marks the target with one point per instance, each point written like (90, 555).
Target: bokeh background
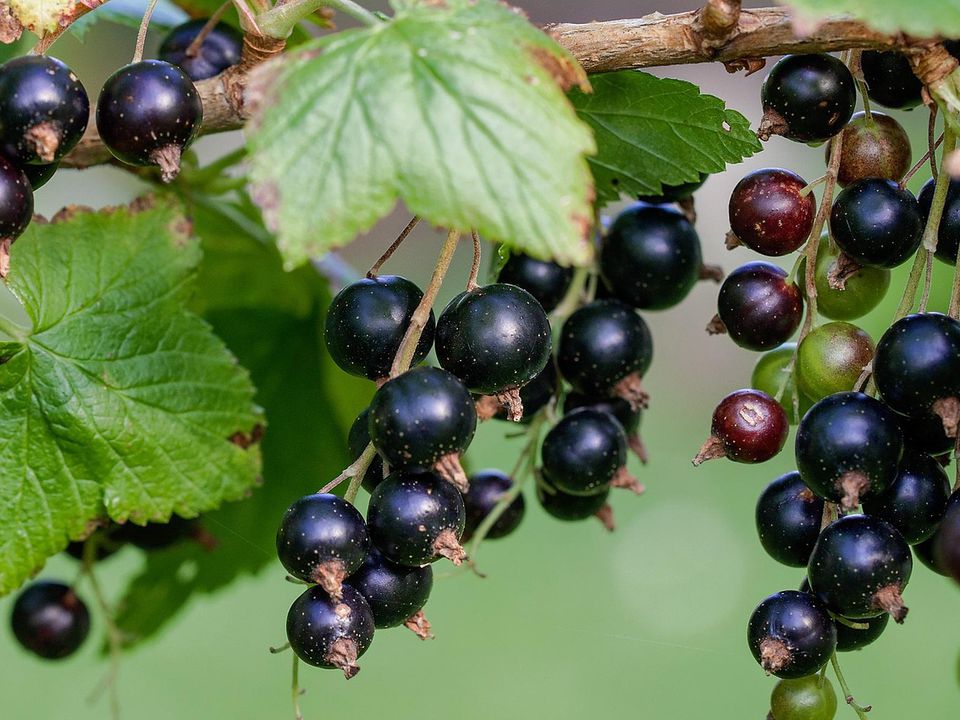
(571, 621)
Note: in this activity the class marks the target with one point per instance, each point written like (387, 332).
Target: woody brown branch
(720, 31)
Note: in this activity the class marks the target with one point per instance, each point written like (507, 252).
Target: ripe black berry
(948, 234)
(890, 79)
(916, 501)
(925, 434)
(49, 620)
(219, 50)
(851, 638)
(417, 518)
(946, 549)
(357, 441)
(859, 568)
(366, 322)
(574, 508)
(807, 98)
(545, 280)
(759, 306)
(769, 213)
(791, 634)
(605, 349)
(651, 257)
(322, 539)
(675, 193)
(43, 110)
(148, 113)
(423, 419)
(876, 223)
(917, 365)
(748, 426)
(157, 536)
(16, 200)
(496, 339)
(535, 396)
(831, 358)
(39, 175)
(586, 452)
(926, 551)
(874, 148)
(788, 518)
(628, 416)
(394, 592)
(848, 444)
(487, 487)
(808, 698)
(330, 633)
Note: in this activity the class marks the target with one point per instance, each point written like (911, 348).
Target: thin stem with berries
(388, 253)
(860, 710)
(142, 33)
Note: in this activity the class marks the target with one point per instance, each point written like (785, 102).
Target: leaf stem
(142, 33)
(279, 21)
(860, 710)
(475, 267)
(388, 253)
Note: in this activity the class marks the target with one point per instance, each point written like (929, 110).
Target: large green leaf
(116, 402)
(922, 18)
(453, 107)
(654, 131)
(276, 336)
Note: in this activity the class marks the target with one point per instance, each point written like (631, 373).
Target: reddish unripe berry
(769, 213)
(748, 426)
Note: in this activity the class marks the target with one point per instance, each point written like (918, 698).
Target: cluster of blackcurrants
(51, 620)
(495, 351)
(147, 114)
(884, 456)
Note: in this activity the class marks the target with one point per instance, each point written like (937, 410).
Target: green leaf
(117, 402)
(453, 107)
(278, 339)
(922, 18)
(656, 131)
(130, 14)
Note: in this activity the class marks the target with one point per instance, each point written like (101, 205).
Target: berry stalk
(860, 710)
(280, 21)
(114, 636)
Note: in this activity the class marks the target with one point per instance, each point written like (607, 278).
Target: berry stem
(475, 267)
(573, 299)
(931, 146)
(860, 710)
(921, 162)
(375, 269)
(856, 70)
(282, 18)
(114, 636)
(355, 471)
(418, 321)
(142, 33)
(194, 47)
(295, 688)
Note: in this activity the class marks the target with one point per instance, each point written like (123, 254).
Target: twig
(142, 33)
(388, 253)
(931, 146)
(475, 267)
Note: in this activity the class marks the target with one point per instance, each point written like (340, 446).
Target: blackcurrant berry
(496, 339)
(219, 50)
(831, 358)
(876, 223)
(926, 551)
(946, 549)
(651, 257)
(890, 79)
(487, 488)
(877, 147)
(948, 234)
(916, 501)
(773, 371)
(605, 349)
(851, 638)
(748, 426)
(586, 452)
(848, 444)
(423, 419)
(788, 518)
(322, 539)
(791, 634)
(39, 175)
(807, 98)
(357, 441)
(148, 114)
(845, 291)
(917, 366)
(395, 593)
(43, 110)
(807, 698)
(157, 536)
(926, 434)
(366, 322)
(675, 193)
(417, 518)
(545, 280)
(330, 633)
(574, 508)
(535, 396)
(860, 566)
(16, 200)
(758, 306)
(769, 212)
(628, 416)
(49, 620)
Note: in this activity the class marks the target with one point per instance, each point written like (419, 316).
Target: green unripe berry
(769, 374)
(809, 698)
(831, 358)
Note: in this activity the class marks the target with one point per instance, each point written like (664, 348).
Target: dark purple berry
(926, 551)
(573, 508)
(330, 633)
(394, 592)
(948, 233)
(791, 634)
(769, 213)
(926, 434)
(851, 638)
(759, 306)
(890, 79)
(946, 549)
(748, 426)
(916, 501)
(624, 412)
(39, 175)
(16, 201)
(322, 539)
(545, 280)
(157, 536)
(788, 519)
(876, 223)
(487, 488)
(220, 49)
(49, 620)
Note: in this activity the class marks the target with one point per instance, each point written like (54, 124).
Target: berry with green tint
(860, 291)
(806, 698)
(831, 358)
(874, 148)
(772, 372)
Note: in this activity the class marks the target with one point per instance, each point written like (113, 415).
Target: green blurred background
(571, 621)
